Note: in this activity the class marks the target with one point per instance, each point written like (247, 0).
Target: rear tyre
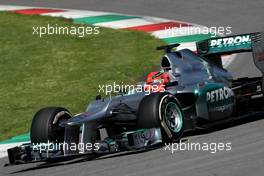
(45, 125)
(162, 110)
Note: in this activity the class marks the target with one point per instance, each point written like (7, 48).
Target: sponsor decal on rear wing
(214, 48)
(225, 45)
(242, 42)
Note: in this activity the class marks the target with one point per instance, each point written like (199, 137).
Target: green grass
(62, 70)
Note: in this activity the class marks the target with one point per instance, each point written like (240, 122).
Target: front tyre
(164, 111)
(45, 125)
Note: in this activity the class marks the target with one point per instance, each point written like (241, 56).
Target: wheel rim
(173, 117)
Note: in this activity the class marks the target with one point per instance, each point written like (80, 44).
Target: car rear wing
(212, 49)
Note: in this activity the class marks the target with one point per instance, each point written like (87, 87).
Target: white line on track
(124, 23)
(75, 14)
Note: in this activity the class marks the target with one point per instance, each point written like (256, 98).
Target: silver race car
(191, 91)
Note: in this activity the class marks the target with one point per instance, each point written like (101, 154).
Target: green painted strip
(21, 138)
(102, 18)
(188, 38)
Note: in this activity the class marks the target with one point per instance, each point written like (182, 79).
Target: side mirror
(170, 84)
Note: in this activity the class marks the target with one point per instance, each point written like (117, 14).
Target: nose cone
(85, 117)
(96, 112)
(75, 120)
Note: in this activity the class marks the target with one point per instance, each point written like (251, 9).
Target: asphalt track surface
(246, 136)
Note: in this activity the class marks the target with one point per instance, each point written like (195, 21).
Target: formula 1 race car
(191, 91)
